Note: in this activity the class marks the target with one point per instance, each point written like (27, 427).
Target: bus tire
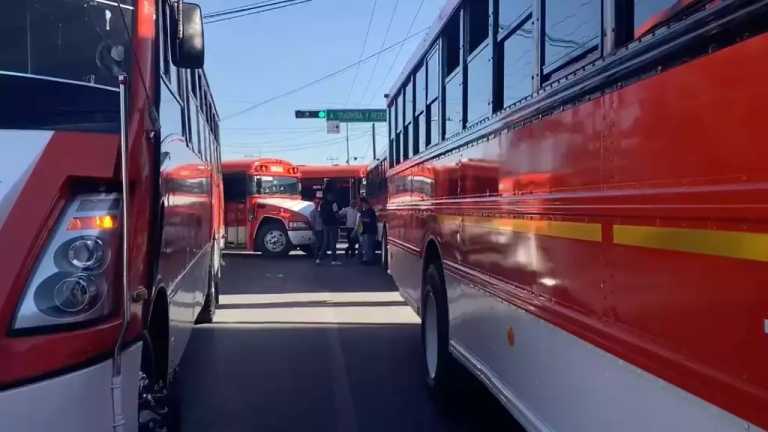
(272, 239)
(439, 366)
(208, 312)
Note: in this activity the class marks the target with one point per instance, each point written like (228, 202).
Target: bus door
(236, 209)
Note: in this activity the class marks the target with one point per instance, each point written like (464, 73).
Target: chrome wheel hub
(275, 241)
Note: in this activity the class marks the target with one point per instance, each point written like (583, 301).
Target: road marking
(316, 308)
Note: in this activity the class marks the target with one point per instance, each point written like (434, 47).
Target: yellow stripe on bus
(562, 229)
(731, 244)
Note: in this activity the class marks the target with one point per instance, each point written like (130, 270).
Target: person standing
(370, 230)
(317, 227)
(349, 215)
(329, 214)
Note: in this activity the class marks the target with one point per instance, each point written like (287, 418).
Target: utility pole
(347, 124)
(373, 139)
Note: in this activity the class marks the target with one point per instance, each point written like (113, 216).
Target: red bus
(264, 210)
(577, 209)
(344, 180)
(110, 210)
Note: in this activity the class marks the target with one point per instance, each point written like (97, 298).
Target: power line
(362, 51)
(394, 60)
(259, 11)
(378, 57)
(245, 7)
(322, 78)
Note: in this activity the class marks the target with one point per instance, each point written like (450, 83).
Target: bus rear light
(72, 281)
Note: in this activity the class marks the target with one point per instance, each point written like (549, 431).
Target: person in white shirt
(350, 215)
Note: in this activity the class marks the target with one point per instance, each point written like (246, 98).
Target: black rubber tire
(443, 382)
(208, 312)
(261, 235)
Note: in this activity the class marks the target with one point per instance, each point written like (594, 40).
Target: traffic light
(310, 114)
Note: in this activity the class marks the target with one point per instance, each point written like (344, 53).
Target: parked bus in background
(375, 189)
(345, 181)
(577, 209)
(263, 206)
(110, 160)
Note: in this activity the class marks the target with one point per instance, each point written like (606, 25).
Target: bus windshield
(274, 185)
(76, 40)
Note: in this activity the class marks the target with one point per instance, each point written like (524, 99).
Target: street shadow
(301, 377)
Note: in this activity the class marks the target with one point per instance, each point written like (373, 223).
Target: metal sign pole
(347, 124)
(373, 139)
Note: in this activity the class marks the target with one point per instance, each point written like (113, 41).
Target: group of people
(357, 221)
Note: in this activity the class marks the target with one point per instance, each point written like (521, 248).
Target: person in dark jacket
(329, 214)
(369, 232)
(317, 227)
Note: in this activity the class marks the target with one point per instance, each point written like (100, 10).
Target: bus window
(649, 12)
(511, 13)
(433, 91)
(479, 85)
(517, 58)
(454, 112)
(407, 120)
(477, 21)
(453, 108)
(452, 44)
(235, 187)
(572, 29)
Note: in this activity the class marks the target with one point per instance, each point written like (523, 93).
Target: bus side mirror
(190, 48)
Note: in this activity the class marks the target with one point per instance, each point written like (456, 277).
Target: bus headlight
(87, 253)
(297, 225)
(74, 280)
(74, 294)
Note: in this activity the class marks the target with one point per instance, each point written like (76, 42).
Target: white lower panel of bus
(553, 381)
(405, 268)
(79, 401)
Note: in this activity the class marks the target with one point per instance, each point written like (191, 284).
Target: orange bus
(577, 209)
(263, 207)
(345, 181)
(109, 210)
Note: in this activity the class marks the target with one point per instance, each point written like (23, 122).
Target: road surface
(299, 347)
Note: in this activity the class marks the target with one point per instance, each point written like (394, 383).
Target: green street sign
(357, 115)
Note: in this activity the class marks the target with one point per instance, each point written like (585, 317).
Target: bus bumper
(301, 238)
(79, 401)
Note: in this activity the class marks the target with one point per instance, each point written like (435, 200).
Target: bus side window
(478, 58)
(398, 126)
(433, 93)
(515, 56)
(420, 89)
(407, 118)
(572, 32)
(453, 120)
(648, 13)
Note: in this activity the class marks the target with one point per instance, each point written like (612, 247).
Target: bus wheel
(211, 300)
(439, 365)
(272, 239)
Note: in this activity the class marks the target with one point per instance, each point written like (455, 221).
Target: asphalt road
(299, 347)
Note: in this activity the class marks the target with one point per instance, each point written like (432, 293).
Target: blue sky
(251, 59)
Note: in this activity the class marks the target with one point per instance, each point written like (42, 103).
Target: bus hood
(16, 164)
(294, 205)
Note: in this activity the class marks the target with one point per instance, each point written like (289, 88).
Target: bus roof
(251, 165)
(332, 171)
(421, 50)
